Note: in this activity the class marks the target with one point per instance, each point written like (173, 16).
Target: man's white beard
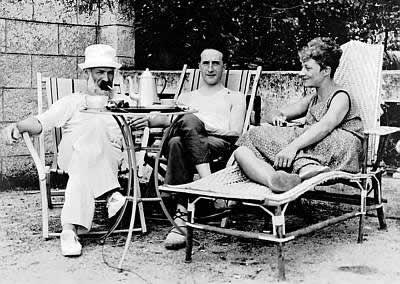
(94, 89)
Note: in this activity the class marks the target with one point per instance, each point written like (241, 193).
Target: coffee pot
(148, 89)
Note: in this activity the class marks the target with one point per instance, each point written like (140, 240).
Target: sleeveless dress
(339, 150)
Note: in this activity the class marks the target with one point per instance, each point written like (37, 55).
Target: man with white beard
(90, 150)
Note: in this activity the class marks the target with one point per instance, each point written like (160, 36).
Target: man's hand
(285, 157)
(139, 122)
(11, 134)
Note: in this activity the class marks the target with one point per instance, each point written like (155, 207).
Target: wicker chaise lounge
(359, 72)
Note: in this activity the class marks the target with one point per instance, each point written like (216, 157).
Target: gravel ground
(331, 255)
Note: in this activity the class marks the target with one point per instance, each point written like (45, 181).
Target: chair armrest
(382, 130)
(295, 122)
(38, 163)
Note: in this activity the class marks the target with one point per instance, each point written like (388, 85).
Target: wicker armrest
(382, 130)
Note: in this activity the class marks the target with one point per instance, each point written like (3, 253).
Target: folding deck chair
(244, 81)
(359, 72)
(241, 81)
(52, 180)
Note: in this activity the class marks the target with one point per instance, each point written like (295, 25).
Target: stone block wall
(48, 36)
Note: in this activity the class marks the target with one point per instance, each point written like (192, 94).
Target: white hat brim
(95, 64)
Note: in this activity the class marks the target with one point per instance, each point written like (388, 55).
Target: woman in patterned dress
(280, 157)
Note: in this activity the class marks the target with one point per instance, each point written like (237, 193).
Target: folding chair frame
(56, 88)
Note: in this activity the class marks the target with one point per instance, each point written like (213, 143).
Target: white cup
(96, 101)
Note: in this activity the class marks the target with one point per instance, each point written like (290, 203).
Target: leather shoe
(175, 239)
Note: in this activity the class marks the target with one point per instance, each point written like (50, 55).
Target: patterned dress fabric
(340, 150)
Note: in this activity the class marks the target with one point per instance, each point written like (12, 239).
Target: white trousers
(93, 170)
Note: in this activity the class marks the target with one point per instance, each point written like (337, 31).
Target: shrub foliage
(170, 33)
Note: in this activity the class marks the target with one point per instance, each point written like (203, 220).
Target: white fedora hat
(99, 55)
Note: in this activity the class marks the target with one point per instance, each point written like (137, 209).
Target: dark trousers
(190, 145)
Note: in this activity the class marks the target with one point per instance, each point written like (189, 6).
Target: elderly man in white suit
(90, 150)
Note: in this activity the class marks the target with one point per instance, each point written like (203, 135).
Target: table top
(140, 111)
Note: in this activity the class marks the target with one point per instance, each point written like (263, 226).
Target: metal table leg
(134, 187)
(135, 197)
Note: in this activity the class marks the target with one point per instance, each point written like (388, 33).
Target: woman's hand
(139, 122)
(285, 157)
(277, 118)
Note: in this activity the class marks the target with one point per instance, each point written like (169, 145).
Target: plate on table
(153, 108)
(94, 108)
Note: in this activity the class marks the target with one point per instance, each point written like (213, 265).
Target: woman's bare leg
(262, 172)
(252, 166)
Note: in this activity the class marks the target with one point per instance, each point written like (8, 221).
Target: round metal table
(133, 187)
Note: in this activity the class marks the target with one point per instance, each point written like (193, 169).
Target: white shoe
(115, 203)
(70, 245)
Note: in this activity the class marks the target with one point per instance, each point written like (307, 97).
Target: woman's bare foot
(310, 171)
(282, 181)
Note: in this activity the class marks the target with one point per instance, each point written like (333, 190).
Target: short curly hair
(325, 51)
